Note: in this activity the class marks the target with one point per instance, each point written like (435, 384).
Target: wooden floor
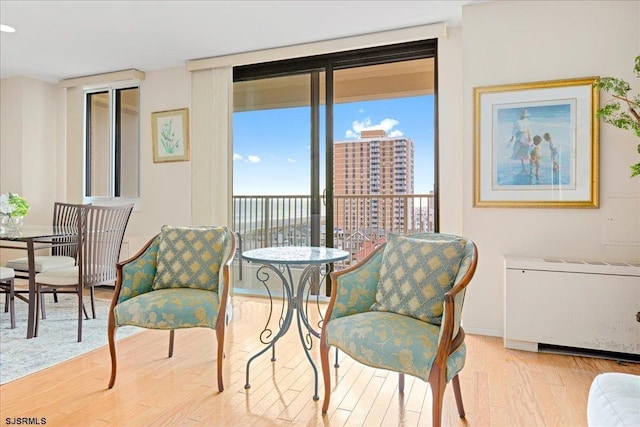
(499, 387)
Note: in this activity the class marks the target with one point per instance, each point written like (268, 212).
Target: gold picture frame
(536, 145)
(170, 135)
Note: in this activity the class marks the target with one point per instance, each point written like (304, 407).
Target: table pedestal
(311, 276)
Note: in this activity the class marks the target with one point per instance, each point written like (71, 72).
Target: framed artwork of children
(170, 135)
(536, 145)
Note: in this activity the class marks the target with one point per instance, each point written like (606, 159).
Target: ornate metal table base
(294, 300)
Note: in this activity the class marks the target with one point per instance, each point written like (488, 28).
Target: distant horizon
(271, 148)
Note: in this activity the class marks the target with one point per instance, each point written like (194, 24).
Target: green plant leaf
(623, 111)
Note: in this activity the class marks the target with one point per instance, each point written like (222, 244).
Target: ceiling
(56, 40)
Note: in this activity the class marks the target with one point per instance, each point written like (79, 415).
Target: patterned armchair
(180, 279)
(399, 309)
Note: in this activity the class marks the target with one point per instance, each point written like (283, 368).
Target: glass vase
(10, 223)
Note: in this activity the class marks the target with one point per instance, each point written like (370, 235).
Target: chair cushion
(6, 273)
(415, 274)
(170, 309)
(42, 263)
(391, 341)
(59, 277)
(190, 257)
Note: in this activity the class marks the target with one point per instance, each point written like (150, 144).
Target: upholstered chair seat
(410, 345)
(170, 309)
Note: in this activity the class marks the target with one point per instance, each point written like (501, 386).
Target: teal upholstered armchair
(399, 309)
(180, 279)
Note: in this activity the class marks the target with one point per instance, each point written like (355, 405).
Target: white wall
(525, 41)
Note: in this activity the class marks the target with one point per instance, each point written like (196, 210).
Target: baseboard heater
(572, 306)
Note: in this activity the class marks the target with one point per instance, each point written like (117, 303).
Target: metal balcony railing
(360, 222)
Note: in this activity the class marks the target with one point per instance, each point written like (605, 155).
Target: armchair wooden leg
(111, 335)
(220, 336)
(324, 359)
(456, 391)
(438, 385)
(171, 339)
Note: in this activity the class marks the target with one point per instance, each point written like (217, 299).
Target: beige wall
(165, 187)
(499, 42)
(522, 41)
(28, 143)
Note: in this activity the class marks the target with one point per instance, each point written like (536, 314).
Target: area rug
(57, 338)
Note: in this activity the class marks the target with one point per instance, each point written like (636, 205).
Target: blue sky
(272, 149)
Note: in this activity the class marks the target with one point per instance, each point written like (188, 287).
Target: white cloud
(291, 160)
(386, 124)
(248, 159)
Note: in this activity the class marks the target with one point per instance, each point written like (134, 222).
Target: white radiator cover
(582, 304)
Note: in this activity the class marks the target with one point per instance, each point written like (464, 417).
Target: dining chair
(6, 287)
(99, 240)
(399, 309)
(180, 279)
(63, 252)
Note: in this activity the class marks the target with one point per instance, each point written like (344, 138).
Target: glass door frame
(327, 63)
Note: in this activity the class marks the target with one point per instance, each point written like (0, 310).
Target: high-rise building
(369, 173)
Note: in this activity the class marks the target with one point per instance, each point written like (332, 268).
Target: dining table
(33, 238)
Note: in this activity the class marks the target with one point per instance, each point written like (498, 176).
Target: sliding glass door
(336, 150)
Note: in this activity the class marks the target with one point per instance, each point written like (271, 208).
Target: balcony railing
(360, 222)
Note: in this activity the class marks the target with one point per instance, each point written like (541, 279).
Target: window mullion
(112, 141)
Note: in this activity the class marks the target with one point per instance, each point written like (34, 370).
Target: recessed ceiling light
(7, 29)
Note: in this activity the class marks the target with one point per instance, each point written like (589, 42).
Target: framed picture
(170, 133)
(536, 145)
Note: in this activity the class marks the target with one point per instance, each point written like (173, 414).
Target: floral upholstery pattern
(415, 274)
(170, 309)
(357, 290)
(190, 257)
(138, 275)
(392, 341)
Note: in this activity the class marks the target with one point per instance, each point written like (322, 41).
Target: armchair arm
(135, 275)
(453, 301)
(354, 288)
(225, 283)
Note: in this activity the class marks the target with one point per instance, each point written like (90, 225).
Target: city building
(369, 174)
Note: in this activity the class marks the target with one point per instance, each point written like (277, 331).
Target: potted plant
(623, 110)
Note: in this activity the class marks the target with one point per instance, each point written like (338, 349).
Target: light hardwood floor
(500, 387)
